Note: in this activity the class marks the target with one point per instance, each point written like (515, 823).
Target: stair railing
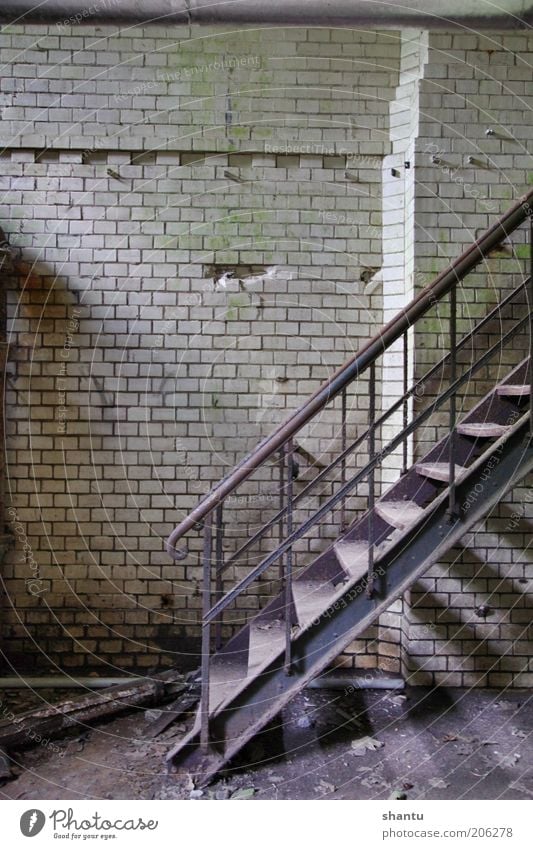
(281, 443)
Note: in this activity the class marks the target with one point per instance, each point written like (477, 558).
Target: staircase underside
(331, 607)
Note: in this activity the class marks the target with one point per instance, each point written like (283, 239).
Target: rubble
(40, 725)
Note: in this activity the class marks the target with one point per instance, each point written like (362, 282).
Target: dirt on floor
(368, 744)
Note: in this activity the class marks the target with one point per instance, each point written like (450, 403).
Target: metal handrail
(366, 356)
(222, 603)
(380, 421)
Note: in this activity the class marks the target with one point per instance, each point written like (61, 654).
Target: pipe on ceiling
(62, 682)
(427, 14)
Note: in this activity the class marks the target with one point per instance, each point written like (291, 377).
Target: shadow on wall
(479, 635)
(65, 603)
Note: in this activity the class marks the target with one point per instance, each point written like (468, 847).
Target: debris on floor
(243, 793)
(360, 747)
(411, 748)
(6, 773)
(438, 783)
(49, 721)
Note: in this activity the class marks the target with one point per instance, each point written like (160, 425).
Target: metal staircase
(380, 550)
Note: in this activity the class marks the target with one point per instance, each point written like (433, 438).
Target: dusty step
(266, 641)
(311, 598)
(438, 471)
(353, 557)
(225, 676)
(514, 389)
(485, 430)
(399, 514)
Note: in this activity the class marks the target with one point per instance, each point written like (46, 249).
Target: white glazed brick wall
(133, 164)
(398, 271)
(473, 83)
(397, 276)
(135, 383)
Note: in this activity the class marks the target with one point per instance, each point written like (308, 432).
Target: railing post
(343, 461)
(530, 305)
(281, 524)
(206, 631)
(453, 405)
(288, 562)
(371, 478)
(405, 409)
(219, 568)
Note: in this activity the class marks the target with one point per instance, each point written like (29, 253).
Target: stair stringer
(327, 566)
(397, 569)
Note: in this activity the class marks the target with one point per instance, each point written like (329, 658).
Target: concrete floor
(418, 744)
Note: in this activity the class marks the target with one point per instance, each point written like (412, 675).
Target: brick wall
(139, 168)
(473, 83)
(398, 283)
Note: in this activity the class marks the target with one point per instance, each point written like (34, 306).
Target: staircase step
(513, 389)
(485, 430)
(399, 514)
(438, 471)
(353, 557)
(224, 677)
(311, 598)
(266, 641)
